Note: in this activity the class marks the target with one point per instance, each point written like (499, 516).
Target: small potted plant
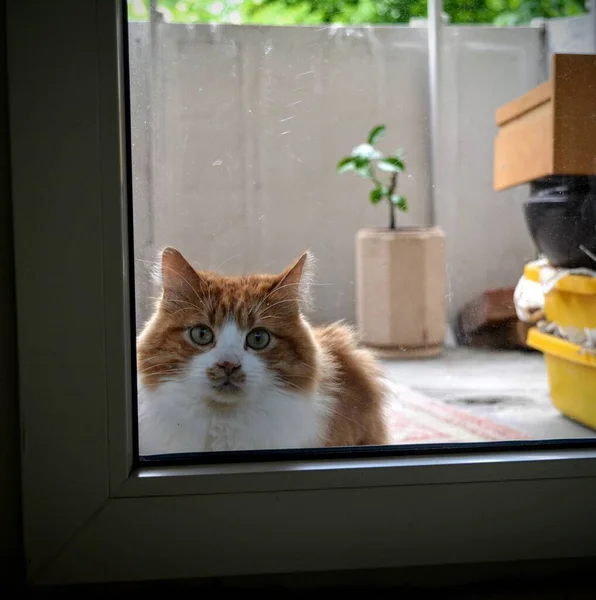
(400, 271)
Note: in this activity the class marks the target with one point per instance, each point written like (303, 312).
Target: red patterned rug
(417, 419)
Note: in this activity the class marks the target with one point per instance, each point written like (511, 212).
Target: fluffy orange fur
(321, 361)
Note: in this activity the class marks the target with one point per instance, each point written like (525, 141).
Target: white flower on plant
(366, 151)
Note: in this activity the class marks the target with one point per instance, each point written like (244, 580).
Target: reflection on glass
(294, 180)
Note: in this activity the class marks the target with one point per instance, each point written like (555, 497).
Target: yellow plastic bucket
(572, 301)
(571, 376)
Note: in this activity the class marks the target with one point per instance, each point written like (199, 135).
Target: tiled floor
(508, 387)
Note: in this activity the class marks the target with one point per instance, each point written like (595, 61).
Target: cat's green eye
(201, 335)
(257, 339)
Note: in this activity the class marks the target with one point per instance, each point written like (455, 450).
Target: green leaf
(376, 133)
(400, 201)
(376, 195)
(346, 164)
(366, 151)
(362, 167)
(392, 164)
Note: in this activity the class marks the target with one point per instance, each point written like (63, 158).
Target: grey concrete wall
(571, 35)
(481, 68)
(237, 130)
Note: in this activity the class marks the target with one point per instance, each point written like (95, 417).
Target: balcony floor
(508, 388)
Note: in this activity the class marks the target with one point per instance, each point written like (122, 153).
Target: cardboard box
(551, 130)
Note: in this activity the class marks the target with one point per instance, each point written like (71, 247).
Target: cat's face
(228, 339)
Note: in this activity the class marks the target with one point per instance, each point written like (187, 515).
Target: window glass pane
(340, 241)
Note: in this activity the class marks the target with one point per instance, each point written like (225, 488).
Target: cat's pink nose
(228, 367)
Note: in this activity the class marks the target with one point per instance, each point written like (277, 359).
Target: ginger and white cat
(230, 363)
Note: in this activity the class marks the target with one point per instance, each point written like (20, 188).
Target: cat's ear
(176, 275)
(295, 281)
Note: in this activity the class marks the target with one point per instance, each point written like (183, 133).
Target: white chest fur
(172, 422)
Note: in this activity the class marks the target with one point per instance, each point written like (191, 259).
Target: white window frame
(89, 514)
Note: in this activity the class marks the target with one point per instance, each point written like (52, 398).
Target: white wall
(481, 68)
(237, 130)
(572, 35)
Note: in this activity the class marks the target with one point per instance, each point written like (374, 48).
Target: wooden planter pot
(400, 298)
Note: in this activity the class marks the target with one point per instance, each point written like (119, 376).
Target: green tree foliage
(352, 12)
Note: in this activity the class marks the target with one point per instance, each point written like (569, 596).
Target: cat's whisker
(163, 355)
(192, 287)
(284, 382)
(221, 264)
(158, 372)
(271, 306)
(180, 301)
(328, 409)
(310, 367)
(167, 361)
(276, 289)
(167, 365)
(273, 318)
(209, 305)
(186, 308)
(164, 374)
(334, 411)
(160, 365)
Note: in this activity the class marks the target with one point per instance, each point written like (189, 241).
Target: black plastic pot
(561, 217)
